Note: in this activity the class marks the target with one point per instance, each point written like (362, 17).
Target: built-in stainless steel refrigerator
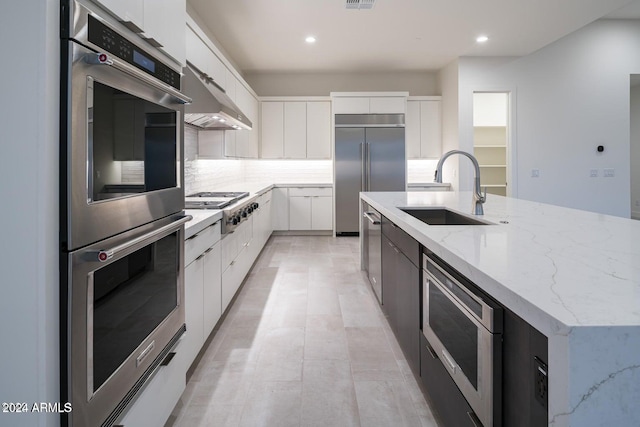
(369, 156)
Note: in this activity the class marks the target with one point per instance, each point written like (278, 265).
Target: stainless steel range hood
(211, 107)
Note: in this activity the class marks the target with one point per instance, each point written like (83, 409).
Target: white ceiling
(396, 35)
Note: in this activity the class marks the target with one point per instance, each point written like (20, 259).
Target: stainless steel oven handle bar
(104, 59)
(106, 254)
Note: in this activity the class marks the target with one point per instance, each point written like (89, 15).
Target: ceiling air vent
(360, 4)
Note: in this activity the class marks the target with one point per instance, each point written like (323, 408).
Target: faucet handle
(483, 197)
(435, 176)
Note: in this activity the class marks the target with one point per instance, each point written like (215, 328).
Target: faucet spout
(478, 197)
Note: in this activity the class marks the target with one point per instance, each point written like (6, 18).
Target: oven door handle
(104, 59)
(106, 254)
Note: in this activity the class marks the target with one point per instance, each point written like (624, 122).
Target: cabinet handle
(232, 262)
(153, 42)
(431, 352)
(132, 26)
(200, 257)
(207, 251)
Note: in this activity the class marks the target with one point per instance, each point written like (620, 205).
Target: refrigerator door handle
(363, 176)
(368, 165)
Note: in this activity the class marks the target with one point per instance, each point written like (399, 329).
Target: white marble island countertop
(573, 275)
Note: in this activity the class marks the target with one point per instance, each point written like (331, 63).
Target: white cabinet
(387, 105)
(310, 208)
(129, 12)
(319, 130)
(202, 284)
(246, 141)
(155, 20)
(423, 128)
(161, 20)
(236, 259)
(199, 54)
(272, 130)
(280, 209)
(296, 129)
(392, 104)
(212, 288)
(194, 309)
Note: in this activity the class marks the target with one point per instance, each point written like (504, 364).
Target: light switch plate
(594, 173)
(535, 173)
(609, 172)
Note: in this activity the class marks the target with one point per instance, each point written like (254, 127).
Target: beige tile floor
(304, 344)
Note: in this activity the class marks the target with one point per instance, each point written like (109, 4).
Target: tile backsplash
(209, 174)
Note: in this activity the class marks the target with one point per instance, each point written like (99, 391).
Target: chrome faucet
(478, 197)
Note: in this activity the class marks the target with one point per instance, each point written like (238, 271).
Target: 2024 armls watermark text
(37, 407)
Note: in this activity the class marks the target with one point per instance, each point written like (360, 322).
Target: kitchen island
(572, 275)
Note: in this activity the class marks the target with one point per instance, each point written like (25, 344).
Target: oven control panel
(108, 39)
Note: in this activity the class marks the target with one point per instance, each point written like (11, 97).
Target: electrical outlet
(535, 173)
(541, 382)
(594, 173)
(637, 203)
(609, 172)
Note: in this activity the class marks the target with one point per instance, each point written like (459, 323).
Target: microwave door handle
(104, 59)
(106, 254)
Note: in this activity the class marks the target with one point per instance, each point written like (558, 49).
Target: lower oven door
(469, 351)
(125, 298)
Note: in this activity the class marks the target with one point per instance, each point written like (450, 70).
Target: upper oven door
(124, 149)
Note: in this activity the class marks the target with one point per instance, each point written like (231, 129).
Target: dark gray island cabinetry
(401, 289)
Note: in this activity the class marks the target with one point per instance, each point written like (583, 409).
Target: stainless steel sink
(440, 216)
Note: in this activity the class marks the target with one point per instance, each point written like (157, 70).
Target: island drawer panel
(403, 241)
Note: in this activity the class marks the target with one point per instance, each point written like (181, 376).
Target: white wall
(321, 84)
(635, 151)
(29, 358)
(572, 96)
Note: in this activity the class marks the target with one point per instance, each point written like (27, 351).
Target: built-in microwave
(463, 328)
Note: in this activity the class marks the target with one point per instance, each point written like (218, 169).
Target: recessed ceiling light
(310, 39)
(221, 120)
(482, 39)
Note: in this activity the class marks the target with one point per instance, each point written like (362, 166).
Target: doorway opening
(491, 140)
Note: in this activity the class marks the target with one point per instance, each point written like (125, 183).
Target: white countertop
(202, 218)
(573, 275)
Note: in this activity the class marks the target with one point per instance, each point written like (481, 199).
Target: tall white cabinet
(423, 127)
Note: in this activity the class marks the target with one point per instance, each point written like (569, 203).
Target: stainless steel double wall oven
(121, 219)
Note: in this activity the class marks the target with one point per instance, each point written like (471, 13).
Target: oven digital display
(144, 62)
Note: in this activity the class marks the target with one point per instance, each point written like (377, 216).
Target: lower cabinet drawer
(448, 403)
(156, 401)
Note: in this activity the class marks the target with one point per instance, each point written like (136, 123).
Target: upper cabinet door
(430, 129)
(351, 105)
(199, 54)
(163, 22)
(387, 105)
(230, 85)
(272, 130)
(412, 129)
(319, 130)
(130, 12)
(295, 130)
(160, 22)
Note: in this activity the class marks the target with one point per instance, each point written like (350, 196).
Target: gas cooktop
(213, 199)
